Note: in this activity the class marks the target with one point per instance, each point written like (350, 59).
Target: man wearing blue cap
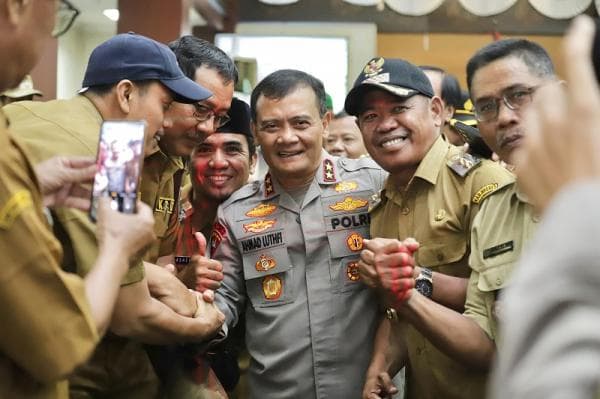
(128, 77)
(432, 195)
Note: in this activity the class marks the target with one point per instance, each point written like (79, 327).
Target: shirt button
(440, 257)
(498, 282)
(405, 211)
(298, 219)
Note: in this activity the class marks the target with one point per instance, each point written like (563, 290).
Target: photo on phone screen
(118, 165)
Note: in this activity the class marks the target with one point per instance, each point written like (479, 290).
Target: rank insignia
(352, 271)
(216, 237)
(265, 263)
(354, 242)
(345, 186)
(259, 226)
(272, 287)
(261, 210)
(484, 192)
(349, 204)
(328, 173)
(268, 185)
(374, 67)
(461, 164)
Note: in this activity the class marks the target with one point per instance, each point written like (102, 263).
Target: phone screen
(118, 165)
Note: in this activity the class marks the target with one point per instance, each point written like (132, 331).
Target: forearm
(449, 291)
(456, 335)
(169, 290)
(389, 351)
(102, 284)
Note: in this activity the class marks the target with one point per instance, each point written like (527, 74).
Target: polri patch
(354, 242)
(349, 204)
(484, 192)
(272, 287)
(265, 263)
(346, 186)
(261, 210)
(352, 271)
(498, 249)
(259, 226)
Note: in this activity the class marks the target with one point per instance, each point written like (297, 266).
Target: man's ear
(437, 110)
(448, 112)
(253, 160)
(326, 120)
(124, 91)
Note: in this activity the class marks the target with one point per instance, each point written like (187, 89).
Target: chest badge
(346, 186)
(349, 204)
(352, 271)
(259, 226)
(265, 263)
(261, 210)
(354, 242)
(272, 287)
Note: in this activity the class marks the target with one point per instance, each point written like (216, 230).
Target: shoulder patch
(16, 204)
(246, 191)
(463, 163)
(351, 165)
(484, 192)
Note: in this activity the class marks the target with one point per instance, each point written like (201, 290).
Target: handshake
(388, 265)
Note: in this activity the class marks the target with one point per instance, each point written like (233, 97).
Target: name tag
(498, 249)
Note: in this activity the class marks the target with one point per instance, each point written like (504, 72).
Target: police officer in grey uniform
(289, 245)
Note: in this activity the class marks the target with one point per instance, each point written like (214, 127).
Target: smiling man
(289, 246)
(433, 193)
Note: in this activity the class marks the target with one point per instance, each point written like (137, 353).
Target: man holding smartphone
(128, 77)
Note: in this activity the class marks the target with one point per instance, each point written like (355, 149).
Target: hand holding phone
(118, 165)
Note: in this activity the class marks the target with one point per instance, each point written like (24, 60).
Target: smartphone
(118, 165)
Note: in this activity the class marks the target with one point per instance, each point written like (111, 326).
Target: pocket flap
(266, 262)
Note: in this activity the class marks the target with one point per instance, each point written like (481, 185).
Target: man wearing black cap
(432, 195)
(128, 77)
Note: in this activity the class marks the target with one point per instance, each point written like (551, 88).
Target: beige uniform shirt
(47, 329)
(437, 209)
(501, 229)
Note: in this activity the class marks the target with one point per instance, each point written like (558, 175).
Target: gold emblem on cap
(261, 210)
(374, 67)
(352, 271)
(272, 287)
(259, 226)
(349, 204)
(346, 186)
(355, 242)
(265, 263)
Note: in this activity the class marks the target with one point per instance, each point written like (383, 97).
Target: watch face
(424, 287)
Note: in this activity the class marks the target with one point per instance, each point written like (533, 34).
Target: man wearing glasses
(502, 78)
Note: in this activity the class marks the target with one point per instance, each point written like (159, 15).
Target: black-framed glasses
(514, 98)
(65, 16)
(202, 113)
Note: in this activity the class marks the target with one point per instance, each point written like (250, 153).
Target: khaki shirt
(66, 127)
(47, 329)
(437, 209)
(292, 268)
(162, 178)
(501, 229)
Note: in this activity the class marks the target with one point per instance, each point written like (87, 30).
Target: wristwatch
(424, 282)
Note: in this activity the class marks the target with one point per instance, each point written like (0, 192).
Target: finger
(79, 161)
(577, 48)
(411, 244)
(204, 284)
(83, 175)
(386, 383)
(208, 296)
(83, 204)
(201, 243)
(144, 211)
(211, 275)
(171, 269)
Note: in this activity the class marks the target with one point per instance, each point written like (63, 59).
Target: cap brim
(186, 90)
(352, 103)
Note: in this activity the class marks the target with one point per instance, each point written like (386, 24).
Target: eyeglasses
(514, 98)
(65, 16)
(202, 113)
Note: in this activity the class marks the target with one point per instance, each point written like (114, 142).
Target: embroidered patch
(265, 263)
(165, 205)
(484, 192)
(498, 249)
(374, 67)
(182, 260)
(259, 226)
(16, 204)
(268, 185)
(354, 242)
(217, 235)
(461, 164)
(346, 186)
(328, 173)
(272, 287)
(353, 221)
(262, 242)
(349, 204)
(352, 271)
(261, 210)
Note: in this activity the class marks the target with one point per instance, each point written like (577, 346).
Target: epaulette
(463, 163)
(244, 192)
(351, 165)
(377, 200)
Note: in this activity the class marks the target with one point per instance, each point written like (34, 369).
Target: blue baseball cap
(136, 57)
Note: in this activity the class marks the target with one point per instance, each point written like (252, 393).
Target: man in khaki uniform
(166, 170)
(128, 77)
(433, 193)
(51, 319)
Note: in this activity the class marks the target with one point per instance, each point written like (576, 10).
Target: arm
(165, 287)
(448, 290)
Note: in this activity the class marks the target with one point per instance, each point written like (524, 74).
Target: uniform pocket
(269, 277)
